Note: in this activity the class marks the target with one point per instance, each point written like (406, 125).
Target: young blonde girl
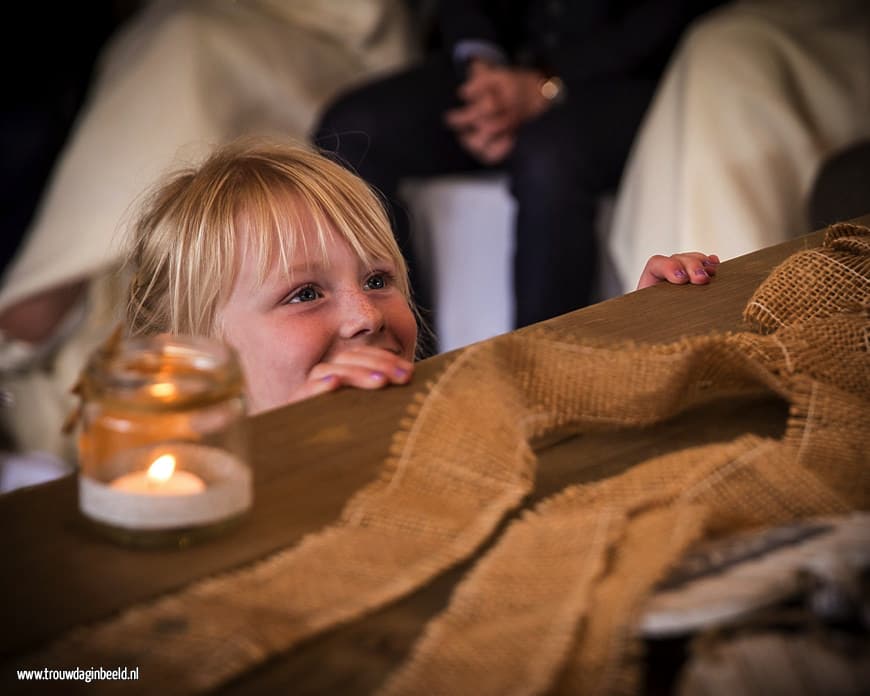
(290, 259)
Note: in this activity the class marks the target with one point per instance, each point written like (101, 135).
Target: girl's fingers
(395, 368)
(314, 387)
(662, 268)
(679, 269)
(711, 264)
(365, 368)
(693, 267)
(699, 267)
(358, 376)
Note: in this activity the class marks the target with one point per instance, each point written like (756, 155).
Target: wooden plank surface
(309, 458)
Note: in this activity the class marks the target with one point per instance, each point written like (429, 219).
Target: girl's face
(283, 327)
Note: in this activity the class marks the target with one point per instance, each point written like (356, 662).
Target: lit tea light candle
(163, 390)
(160, 478)
(185, 485)
(163, 444)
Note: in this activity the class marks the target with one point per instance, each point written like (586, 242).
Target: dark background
(49, 51)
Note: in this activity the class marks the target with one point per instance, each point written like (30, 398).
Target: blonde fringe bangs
(249, 197)
(313, 194)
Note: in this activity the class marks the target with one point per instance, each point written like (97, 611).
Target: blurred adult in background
(759, 94)
(178, 78)
(551, 92)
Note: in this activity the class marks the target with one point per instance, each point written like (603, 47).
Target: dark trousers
(561, 163)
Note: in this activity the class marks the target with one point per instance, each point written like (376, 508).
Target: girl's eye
(307, 293)
(377, 281)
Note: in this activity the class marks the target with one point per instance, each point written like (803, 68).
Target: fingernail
(377, 376)
(400, 372)
(680, 273)
(327, 378)
(700, 272)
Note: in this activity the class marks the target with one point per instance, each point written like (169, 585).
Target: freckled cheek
(261, 354)
(403, 324)
(272, 374)
(288, 350)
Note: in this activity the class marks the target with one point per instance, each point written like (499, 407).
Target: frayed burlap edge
(815, 283)
(558, 595)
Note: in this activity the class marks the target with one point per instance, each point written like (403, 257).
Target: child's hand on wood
(690, 267)
(363, 367)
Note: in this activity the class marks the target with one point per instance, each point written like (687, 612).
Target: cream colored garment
(756, 96)
(183, 76)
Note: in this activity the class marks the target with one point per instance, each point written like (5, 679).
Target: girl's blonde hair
(251, 196)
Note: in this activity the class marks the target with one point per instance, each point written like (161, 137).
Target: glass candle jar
(162, 451)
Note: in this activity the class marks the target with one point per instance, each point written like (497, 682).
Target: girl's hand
(363, 367)
(690, 267)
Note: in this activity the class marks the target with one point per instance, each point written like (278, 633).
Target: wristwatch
(553, 90)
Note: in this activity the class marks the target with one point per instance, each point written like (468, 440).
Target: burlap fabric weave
(816, 283)
(552, 605)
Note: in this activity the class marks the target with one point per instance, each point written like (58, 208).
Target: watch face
(553, 89)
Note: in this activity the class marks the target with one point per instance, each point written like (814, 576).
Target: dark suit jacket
(575, 39)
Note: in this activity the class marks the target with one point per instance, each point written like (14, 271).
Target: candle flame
(161, 468)
(163, 390)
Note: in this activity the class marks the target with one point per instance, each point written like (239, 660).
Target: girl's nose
(360, 315)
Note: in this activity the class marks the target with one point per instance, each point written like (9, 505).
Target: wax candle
(214, 486)
(160, 478)
(163, 447)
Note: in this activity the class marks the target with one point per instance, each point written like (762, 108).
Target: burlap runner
(552, 604)
(559, 592)
(816, 283)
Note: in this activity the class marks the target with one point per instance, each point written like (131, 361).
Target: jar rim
(163, 372)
